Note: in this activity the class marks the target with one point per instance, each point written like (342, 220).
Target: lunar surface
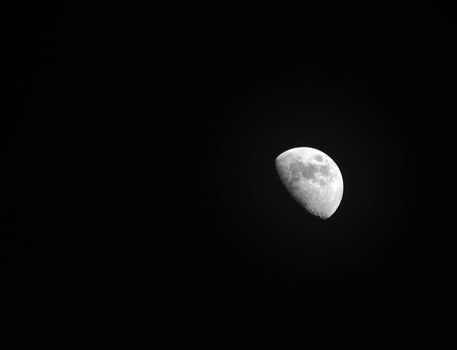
(312, 178)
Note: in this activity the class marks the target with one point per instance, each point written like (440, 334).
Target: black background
(207, 99)
(371, 89)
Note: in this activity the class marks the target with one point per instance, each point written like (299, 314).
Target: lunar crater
(307, 170)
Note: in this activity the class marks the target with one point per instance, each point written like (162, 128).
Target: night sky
(206, 101)
(376, 98)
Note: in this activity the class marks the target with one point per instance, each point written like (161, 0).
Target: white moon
(312, 178)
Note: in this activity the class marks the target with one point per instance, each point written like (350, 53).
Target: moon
(312, 178)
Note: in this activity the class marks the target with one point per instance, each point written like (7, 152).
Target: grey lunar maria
(312, 178)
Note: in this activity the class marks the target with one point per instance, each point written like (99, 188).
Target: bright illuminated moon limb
(312, 178)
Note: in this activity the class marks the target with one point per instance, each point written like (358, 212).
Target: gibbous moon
(312, 178)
